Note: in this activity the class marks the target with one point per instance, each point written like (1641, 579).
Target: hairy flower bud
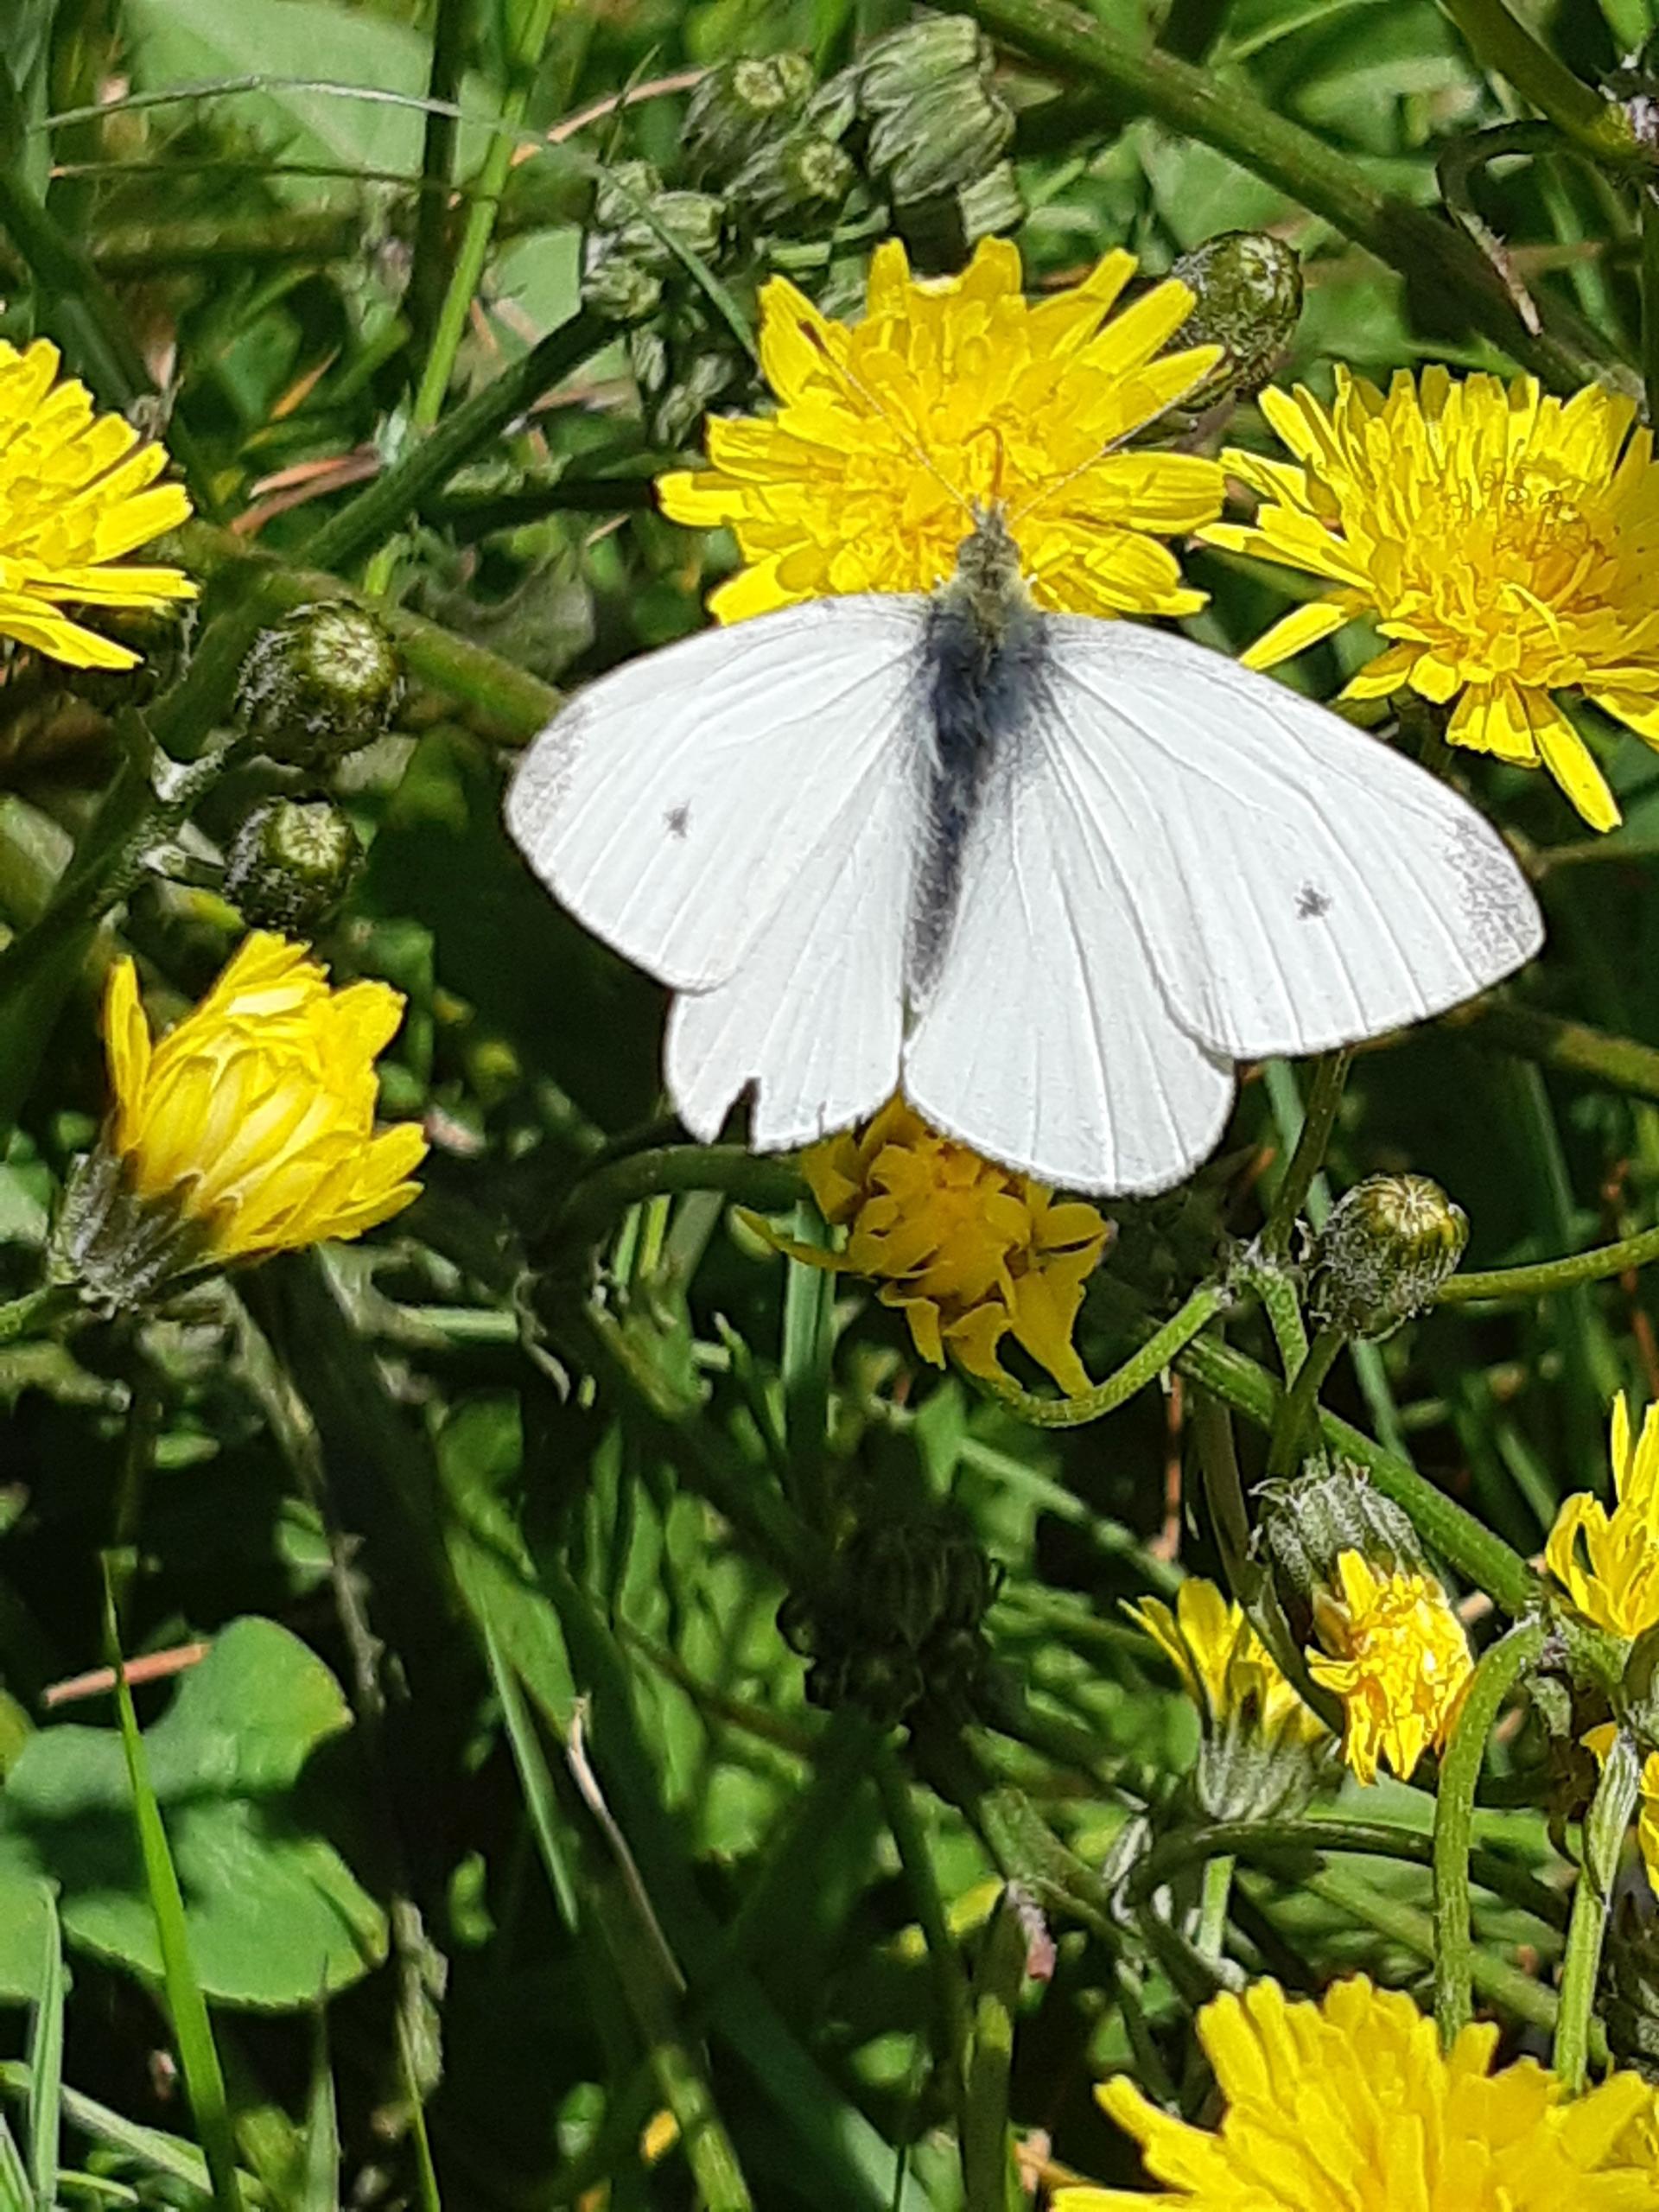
(632, 212)
(1249, 287)
(741, 106)
(800, 178)
(935, 119)
(621, 290)
(899, 1621)
(1306, 1525)
(1385, 1249)
(320, 684)
(291, 865)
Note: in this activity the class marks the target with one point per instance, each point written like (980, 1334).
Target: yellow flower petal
(254, 1116)
(1506, 537)
(1294, 633)
(1397, 1656)
(1608, 1564)
(968, 1251)
(951, 393)
(1349, 2105)
(77, 492)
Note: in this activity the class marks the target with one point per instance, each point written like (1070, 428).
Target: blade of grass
(14, 2194)
(204, 2078)
(320, 2171)
(44, 2118)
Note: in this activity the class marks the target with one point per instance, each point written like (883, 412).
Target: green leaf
(274, 1914)
(186, 42)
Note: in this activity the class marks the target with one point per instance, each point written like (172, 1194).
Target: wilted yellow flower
(1399, 1659)
(77, 492)
(1225, 1667)
(1503, 542)
(967, 1251)
(1608, 1564)
(1349, 2105)
(952, 391)
(254, 1116)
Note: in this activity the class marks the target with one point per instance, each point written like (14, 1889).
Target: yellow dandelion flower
(1504, 543)
(1608, 1564)
(1349, 2105)
(1225, 1667)
(252, 1121)
(1397, 1656)
(968, 1252)
(950, 392)
(78, 492)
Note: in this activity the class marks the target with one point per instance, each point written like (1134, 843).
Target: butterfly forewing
(672, 806)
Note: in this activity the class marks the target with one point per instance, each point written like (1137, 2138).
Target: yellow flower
(77, 492)
(952, 392)
(1401, 1663)
(1608, 1564)
(253, 1118)
(1504, 543)
(1225, 1667)
(1349, 2105)
(968, 1252)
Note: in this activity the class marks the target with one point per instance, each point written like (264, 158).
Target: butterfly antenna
(907, 437)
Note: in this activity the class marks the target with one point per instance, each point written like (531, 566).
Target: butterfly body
(1052, 875)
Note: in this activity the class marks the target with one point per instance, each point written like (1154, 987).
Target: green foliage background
(522, 1482)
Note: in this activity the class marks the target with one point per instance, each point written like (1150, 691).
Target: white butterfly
(1050, 875)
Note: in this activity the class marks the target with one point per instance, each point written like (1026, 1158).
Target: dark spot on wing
(1313, 905)
(679, 820)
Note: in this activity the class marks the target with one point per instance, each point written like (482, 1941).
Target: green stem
(1465, 1543)
(951, 1999)
(1501, 43)
(481, 220)
(1603, 1845)
(1294, 1413)
(1210, 1939)
(610, 1189)
(35, 1311)
(1329, 1074)
(1156, 1354)
(387, 503)
(987, 2170)
(1571, 1047)
(1649, 286)
(450, 326)
(1272, 1843)
(1501, 1666)
(443, 129)
(1425, 249)
(1546, 1275)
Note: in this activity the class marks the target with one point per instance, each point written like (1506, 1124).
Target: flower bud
(1249, 299)
(1306, 1525)
(801, 178)
(320, 684)
(741, 106)
(898, 1621)
(935, 120)
(1385, 1249)
(291, 865)
(632, 212)
(620, 289)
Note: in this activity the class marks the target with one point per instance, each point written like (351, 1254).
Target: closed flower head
(1502, 541)
(1397, 1656)
(951, 393)
(78, 492)
(968, 1252)
(1350, 2104)
(249, 1129)
(1608, 1563)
